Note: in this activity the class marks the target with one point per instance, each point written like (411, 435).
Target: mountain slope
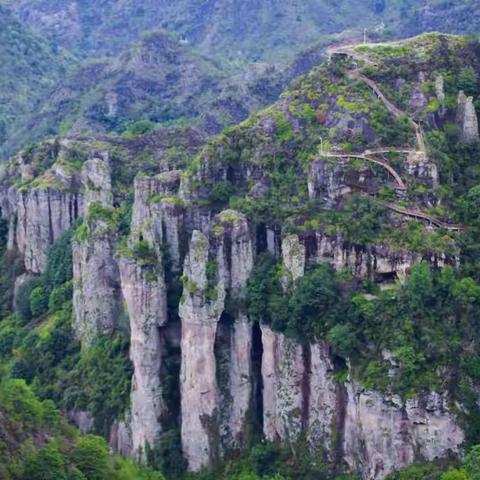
(29, 68)
(158, 80)
(271, 30)
(319, 261)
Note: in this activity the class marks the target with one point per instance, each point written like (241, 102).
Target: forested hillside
(319, 261)
(237, 31)
(239, 240)
(30, 67)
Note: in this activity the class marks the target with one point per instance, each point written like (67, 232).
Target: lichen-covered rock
(322, 401)
(378, 260)
(283, 371)
(467, 119)
(231, 229)
(418, 101)
(96, 178)
(420, 167)
(382, 433)
(330, 179)
(216, 368)
(157, 220)
(158, 213)
(326, 182)
(440, 93)
(43, 216)
(373, 433)
(294, 258)
(146, 298)
(97, 296)
(283, 363)
(198, 381)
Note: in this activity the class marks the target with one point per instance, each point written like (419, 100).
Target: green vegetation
(399, 335)
(38, 444)
(30, 68)
(430, 315)
(39, 346)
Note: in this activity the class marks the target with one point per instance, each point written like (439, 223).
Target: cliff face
(145, 293)
(97, 298)
(187, 227)
(41, 213)
(215, 379)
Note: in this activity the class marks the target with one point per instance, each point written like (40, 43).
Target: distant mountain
(213, 63)
(158, 80)
(29, 68)
(273, 30)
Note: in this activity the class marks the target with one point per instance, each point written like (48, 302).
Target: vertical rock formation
(43, 215)
(97, 295)
(283, 371)
(236, 385)
(96, 178)
(145, 295)
(283, 365)
(156, 202)
(198, 379)
(467, 119)
(97, 300)
(373, 433)
(216, 342)
(440, 93)
(383, 433)
(40, 213)
(324, 409)
(145, 292)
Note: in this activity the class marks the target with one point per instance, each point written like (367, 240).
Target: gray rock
(146, 299)
(214, 414)
(467, 119)
(97, 297)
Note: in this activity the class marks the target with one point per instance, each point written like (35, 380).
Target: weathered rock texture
(467, 118)
(383, 433)
(146, 301)
(373, 433)
(97, 298)
(215, 377)
(41, 212)
(145, 293)
(96, 177)
(43, 215)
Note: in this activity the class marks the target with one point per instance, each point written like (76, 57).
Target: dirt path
(349, 50)
(412, 212)
(364, 156)
(394, 110)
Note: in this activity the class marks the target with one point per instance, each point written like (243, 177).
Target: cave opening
(257, 379)
(385, 278)
(222, 350)
(341, 399)
(170, 335)
(261, 238)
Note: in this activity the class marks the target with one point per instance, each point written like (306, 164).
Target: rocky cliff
(333, 178)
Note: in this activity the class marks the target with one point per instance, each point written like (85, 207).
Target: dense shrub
(166, 456)
(46, 464)
(90, 456)
(100, 381)
(39, 301)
